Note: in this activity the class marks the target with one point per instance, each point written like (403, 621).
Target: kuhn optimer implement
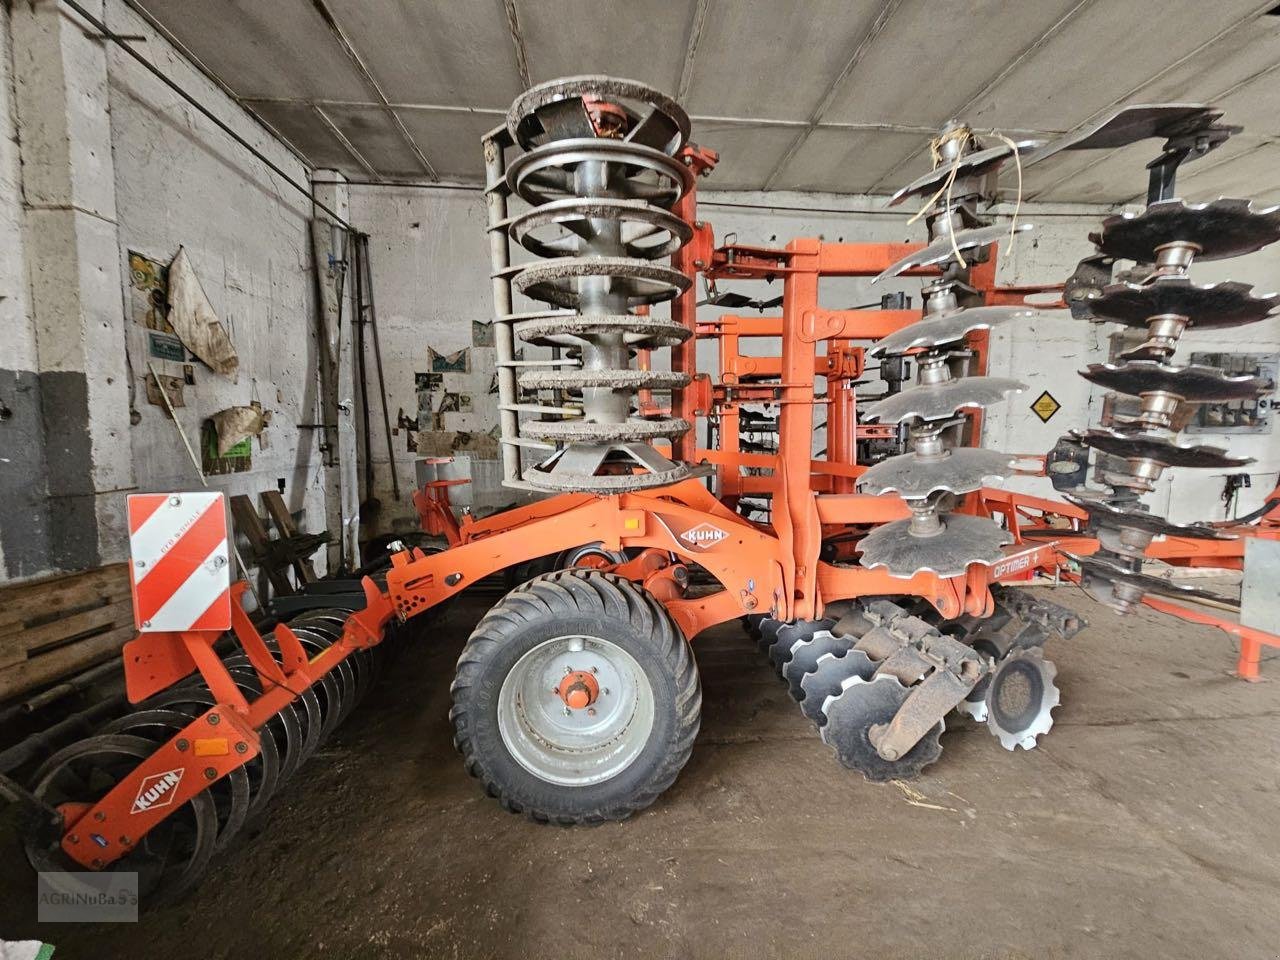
(862, 543)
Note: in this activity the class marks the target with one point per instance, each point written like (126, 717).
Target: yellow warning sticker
(1045, 406)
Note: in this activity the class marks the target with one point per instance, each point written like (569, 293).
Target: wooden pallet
(58, 626)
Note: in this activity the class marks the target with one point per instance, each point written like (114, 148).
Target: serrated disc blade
(1129, 124)
(947, 327)
(976, 709)
(942, 249)
(766, 632)
(961, 470)
(805, 654)
(1194, 383)
(940, 401)
(827, 679)
(963, 540)
(862, 704)
(564, 329)
(1220, 228)
(1208, 305)
(1108, 570)
(1104, 513)
(789, 636)
(1140, 445)
(1021, 697)
(970, 165)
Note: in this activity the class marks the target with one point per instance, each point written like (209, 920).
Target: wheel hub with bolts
(579, 689)
(575, 710)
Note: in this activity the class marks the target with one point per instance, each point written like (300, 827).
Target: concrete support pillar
(24, 536)
(73, 260)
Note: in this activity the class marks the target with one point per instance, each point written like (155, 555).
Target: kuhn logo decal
(703, 536)
(157, 790)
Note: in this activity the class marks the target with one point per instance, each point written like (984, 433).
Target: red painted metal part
(107, 830)
(1248, 664)
(435, 514)
(102, 832)
(1033, 519)
(760, 568)
(689, 260)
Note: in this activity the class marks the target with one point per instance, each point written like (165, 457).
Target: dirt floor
(1147, 824)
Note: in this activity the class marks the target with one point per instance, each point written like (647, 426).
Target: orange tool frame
(760, 569)
(1029, 517)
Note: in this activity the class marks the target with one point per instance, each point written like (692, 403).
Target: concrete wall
(431, 262)
(19, 401)
(430, 256)
(182, 182)
(15, 316)
(116, 162)
(59, 458)
(99, 158)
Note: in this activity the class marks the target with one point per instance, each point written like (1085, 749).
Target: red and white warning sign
(180, 561)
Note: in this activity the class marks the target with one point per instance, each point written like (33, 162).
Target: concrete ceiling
(828, 95)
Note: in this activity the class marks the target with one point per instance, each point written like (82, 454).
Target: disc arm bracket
(929, 701)
(1042, 619)
(940, 670)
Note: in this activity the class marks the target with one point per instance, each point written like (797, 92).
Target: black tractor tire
(564, 603)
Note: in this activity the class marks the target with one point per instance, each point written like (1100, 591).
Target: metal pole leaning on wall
(372, 317)
(370, 503)
(504, 344)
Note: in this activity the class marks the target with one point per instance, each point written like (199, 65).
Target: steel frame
(224, 737)
(1028, 517)
(760, 569)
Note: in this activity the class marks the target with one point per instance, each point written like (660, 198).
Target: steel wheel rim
(575, 749)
